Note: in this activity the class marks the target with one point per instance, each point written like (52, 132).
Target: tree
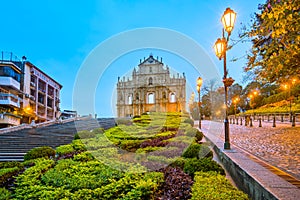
(275, 55)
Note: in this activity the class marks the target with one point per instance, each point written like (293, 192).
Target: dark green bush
(7, 173)
(193, 132)
(193, 165)
(40, 152)
(189, 121)
(4, 194)
(192, 151)
(179, 162)
(211, 185)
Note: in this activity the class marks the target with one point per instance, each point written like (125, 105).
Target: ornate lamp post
(221, 46)
(199, 84)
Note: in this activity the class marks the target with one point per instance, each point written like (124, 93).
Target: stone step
(13, 145)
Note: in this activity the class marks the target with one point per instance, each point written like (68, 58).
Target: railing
(267, 117)
(43, 124)
(9, 99)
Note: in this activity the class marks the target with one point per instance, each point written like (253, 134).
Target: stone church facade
(151, 89)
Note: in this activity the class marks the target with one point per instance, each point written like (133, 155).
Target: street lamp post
(235, 101)
(199, 84)
(221, 46)
(288, 87)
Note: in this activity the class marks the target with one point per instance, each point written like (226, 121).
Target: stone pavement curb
(250, 174)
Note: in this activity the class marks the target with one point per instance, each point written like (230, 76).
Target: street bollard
(281, 118)
(268, 118)
(246, 122)
(241, 121)
(237, 121)
(233, 120)
(251, 125)
(263, 118)
(294, 121)
(259, 120)
(274, 121)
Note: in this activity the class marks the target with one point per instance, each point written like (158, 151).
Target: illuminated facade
(151, 89)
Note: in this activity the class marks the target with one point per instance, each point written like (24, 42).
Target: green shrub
(192, 151)
(5, 194)
(211, 185)
(40, 152)
(75, 175)
(7, 173)
(98, 131)
(78, 145)
(43, 192)
(65, 149)
(32, 175)
(179, 162)
(189, 121)
(130, 145)
(83, 157)
(193, 132)
(193, 165)
(86, 134)
(10, 164)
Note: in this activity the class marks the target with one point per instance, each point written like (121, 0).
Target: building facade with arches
(151, 89)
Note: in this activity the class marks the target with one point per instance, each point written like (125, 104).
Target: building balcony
(9, 100)
(10, 119)
(9, 82)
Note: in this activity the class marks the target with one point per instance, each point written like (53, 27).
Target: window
(41, 98)
(130, 99)
(150, 69)
(150, 81)
(8, 71)
(137, 96)
(172, 98)
(164, 95)
(151, 98)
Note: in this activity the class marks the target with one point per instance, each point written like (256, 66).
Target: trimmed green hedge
(193, 165)
(40, 152)
(211, 185)
(5, 194)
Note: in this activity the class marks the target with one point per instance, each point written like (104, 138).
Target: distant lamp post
(220, 47)
(199, 84)
(251, 97)
(288, 87)
(235, 101)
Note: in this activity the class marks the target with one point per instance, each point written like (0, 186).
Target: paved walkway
(278, 146)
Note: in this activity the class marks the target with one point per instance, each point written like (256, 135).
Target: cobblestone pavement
(279, 146)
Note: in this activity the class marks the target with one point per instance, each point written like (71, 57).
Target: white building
(26, 93)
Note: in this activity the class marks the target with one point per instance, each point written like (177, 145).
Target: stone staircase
(15, 144)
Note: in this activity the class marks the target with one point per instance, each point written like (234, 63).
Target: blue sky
(57, 36)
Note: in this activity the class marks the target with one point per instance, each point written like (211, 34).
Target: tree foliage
(275, 55)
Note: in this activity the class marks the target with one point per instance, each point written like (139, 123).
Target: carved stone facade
(151, 89)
